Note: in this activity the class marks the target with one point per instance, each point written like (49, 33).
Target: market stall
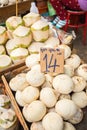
(44, 80)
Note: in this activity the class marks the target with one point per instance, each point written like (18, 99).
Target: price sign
(52, 60)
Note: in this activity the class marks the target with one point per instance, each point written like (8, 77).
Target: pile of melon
(24, 36)
(52, 101)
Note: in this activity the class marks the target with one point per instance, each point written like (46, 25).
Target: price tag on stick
(16, 7)
(52, 60)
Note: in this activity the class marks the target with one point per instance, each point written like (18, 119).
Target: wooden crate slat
(12, 67)
(10, 10)
(14, 103)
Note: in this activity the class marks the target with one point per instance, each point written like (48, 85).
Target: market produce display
(8, 118)
(17, 39)
(13, 22)
(25, 35)
(53, 102)
(48, 101)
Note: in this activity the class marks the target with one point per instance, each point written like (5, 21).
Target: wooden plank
(14, 103)
(10, 10)
(12, 67)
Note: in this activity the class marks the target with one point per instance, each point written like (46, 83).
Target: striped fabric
(55, 21)
(61, 23)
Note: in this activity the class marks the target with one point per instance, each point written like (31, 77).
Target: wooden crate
(5, 79)
(6, 90)
(10, 10)
(12, 67)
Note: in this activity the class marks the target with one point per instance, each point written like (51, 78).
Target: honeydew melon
(40, 30)
(3, 35)
(5, 61)
(18, 82)
(13, 22)
(23, 35)
(69, 70)
(18, 97)
(52, 121)
(11, 45)
(19, 54)
(8, 120)
(35, 47)
(35, 79)
(77, 118)
(4, 101)
(68, 126)
(36, 126)
(74, 60)
(34, 111)
(48, 97)
(30, 94)
(53, 41)
(31, 18)
(32, 60)
(67, 50)
(2, 50)
(61, 81)
(66, 108)
(82, 71)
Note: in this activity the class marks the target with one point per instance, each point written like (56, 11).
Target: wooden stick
(14, 103)
(16, 7)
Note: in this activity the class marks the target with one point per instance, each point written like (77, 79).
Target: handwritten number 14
(50, 65)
